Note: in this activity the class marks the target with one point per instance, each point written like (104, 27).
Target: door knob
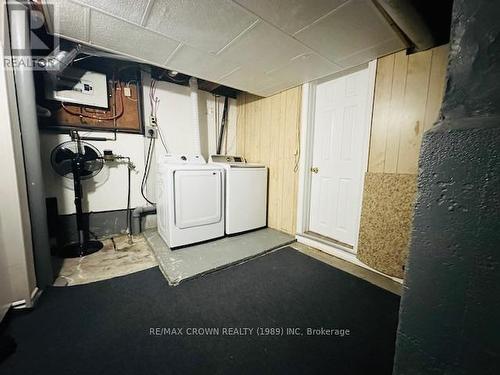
(314, 169)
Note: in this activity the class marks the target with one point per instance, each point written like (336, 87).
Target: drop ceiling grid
(113, 33)
(256, 55)
(143, 18)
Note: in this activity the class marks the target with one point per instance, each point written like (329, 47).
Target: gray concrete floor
(196, 260)
(121, 258)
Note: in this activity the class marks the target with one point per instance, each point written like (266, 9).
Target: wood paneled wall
(408, 95)
(268, 132)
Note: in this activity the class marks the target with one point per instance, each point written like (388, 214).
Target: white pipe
(26, 104)
(193, 84)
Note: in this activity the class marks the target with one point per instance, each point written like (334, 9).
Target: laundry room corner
(249, 186)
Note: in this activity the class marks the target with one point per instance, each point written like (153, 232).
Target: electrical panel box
(78, 86)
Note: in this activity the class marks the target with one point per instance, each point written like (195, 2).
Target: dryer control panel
(182, 159)
(227, 159)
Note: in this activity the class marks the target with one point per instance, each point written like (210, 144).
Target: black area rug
(105, 327)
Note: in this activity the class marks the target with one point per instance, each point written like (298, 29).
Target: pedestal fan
(78, 160)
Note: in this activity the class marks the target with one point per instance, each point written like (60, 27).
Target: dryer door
(198, 197)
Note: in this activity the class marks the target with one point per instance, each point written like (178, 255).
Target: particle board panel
(267, 133)
(386, 217)
(408, 96)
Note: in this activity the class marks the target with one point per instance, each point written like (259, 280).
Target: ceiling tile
(290, 15)
(300, 69)
(382, 49)
(120, 36)
(263, 48)
(208, 25)
(350, 29)
(130, 10)
(304, 68)
(69, 19)
(191, 61)
(247, 78)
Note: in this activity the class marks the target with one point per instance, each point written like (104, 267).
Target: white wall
(108, 190)
(17, 273)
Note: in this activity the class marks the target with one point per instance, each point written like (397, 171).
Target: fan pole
(77, 183)
(84, 246)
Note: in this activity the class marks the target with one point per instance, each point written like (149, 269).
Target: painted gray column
(25, 92)
(449, 316)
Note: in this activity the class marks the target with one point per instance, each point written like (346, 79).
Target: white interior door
(340, 128)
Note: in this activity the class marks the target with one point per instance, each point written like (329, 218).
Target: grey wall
(450, 309)
(101, 224)
(17, 273)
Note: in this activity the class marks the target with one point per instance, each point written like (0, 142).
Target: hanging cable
(118, 92)
(129, 214)
(154, 102)
(162, 140)
(146, 170)
(297, 150)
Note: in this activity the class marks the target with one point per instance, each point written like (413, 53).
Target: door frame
(305, 164)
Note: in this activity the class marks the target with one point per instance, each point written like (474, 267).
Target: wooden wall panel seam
(267, 134)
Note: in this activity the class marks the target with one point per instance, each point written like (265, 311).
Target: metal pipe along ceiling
(409, 21)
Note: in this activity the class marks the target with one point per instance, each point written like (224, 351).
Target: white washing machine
(246, 193)
(190, 200)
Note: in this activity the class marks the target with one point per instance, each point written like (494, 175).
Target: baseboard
(340, 253)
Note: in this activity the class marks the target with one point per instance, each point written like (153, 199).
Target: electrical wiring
(129, 183)
(146, 170)
(162, 140)
(154, 102)
(114, 117)
(128, 87)
(298, 150)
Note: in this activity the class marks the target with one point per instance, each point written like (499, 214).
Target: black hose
(129, 213)
(146, 170)
(223, 125)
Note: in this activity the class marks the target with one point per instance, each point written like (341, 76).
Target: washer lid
(246, 165)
